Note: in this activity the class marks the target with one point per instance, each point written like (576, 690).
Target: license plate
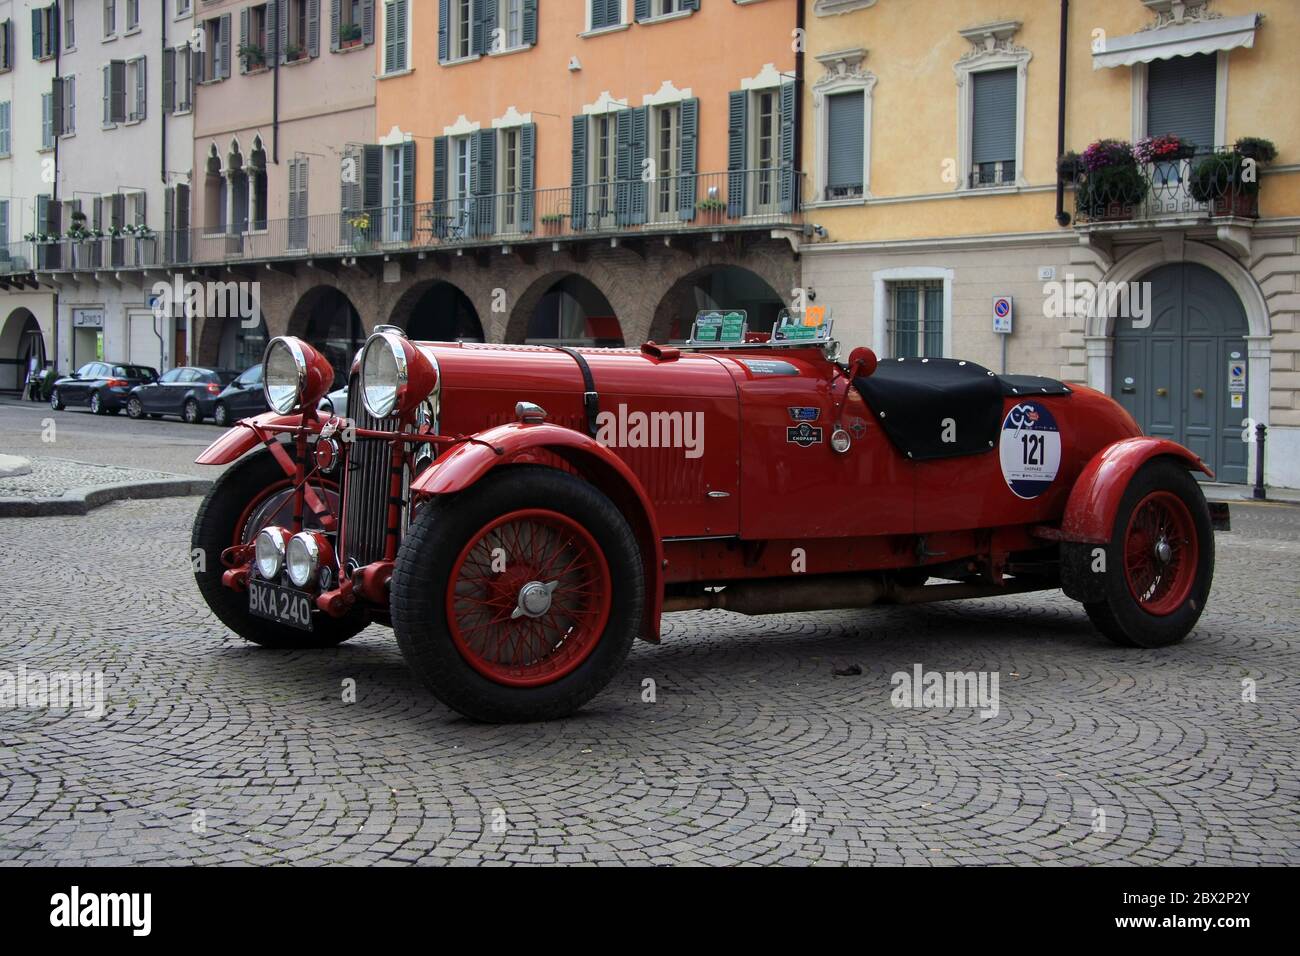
(282, 605)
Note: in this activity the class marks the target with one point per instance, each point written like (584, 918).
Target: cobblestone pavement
(215, 751)
(52, 477)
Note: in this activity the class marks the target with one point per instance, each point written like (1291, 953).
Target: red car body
(757, 513)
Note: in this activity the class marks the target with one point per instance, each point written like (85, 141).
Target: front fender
(242, 437)
(514, 443)
(1094, 500)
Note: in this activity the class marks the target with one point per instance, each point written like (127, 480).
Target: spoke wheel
(528, 598)
(1160, 553)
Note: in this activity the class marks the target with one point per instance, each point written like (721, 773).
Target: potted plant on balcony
(1228, 183)
(1112, 187)
(144, 242)
(349, 35)
(1168, 148)
(1261, 150)
(1069, 167)
(77, 234)
(711, 206)
(293, 52)
(254, 56)
(360, 224)
(552, 222)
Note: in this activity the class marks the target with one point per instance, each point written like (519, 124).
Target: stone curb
(79, 501)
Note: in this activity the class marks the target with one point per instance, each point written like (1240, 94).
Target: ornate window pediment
(1175, 12)
(992, 41)
(826, 8)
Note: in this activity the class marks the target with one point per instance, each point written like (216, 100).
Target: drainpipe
(54, 196)
(800, 19)
(162, 114)
(275, 89)
(1062, 217)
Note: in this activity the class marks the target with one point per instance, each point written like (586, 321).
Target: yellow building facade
(1169, 279)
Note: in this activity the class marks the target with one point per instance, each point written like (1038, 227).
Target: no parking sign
(1003, 310)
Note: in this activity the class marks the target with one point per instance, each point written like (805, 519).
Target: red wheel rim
(499, 620)
(1161, 553)
(275, 506)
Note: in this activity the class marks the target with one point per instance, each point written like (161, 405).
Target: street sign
(1003, 313)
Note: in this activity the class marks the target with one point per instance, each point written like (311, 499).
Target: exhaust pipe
(833, 592)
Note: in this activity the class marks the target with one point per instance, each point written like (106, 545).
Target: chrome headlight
(269, 552)
(307, 551)
(284, 373)
(384, 373)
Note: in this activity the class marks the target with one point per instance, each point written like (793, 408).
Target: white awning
(1186, 39)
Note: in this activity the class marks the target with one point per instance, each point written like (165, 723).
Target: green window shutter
(623, 167)
(408, 189)
(244, 64)
(282, 30)
(527, 174)
(313, 28)
(117, 93)
(640, 150)
(689, 159)
(169, 223)
(169, 81)
(1181, 98)
(182, 245)
(224, 46)
(367, 22)
(36, 35)
(444, 30)
(440, 211)
(578, 189)
(336, 19)
(372, 176)
(530, 23)
(483, 181)
(484, 13)
(789, 184)
(993, 125)
(641, 11)
(737, 120)
(271, 19)
(56, 105)
(844, 143)
(606, 13)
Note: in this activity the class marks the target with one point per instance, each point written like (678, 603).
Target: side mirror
(862, 362)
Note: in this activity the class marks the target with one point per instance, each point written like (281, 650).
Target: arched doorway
(437, 311)
(327, 320)
(1184, 375)
(22, 347)
(571, 310)
(715, 287)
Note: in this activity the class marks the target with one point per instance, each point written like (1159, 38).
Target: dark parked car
(187, 391)
(242, 398)
(104, 386)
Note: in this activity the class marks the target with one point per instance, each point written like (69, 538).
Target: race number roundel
(1030, 449)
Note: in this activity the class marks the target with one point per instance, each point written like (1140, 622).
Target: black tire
(190, 412)
(56, 402)
(134, 409)
(425, 561)
(97, 404)
(1119, 615)
(221, 415)
(214, 531)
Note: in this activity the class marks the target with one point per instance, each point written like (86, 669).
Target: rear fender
(1094, 501)
(242, 437)
(518, 443)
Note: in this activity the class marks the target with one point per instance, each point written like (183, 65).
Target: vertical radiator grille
(365, 496)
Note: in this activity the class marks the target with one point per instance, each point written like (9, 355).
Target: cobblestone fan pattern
(53, 477)
(215, 751)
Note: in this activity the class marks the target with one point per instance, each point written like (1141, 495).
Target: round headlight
(284, 372)
(383, 374)
(269, 552)
(307, 550)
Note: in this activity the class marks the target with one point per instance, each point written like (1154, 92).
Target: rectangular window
(132, 14)
(512, 23)
(4, 218)
(211, 55)
(509, 176)
(993, 128)
(182, 7)
(1181, 98)
(765, 150)
(604, 168)
(5, 145)
(184, 80)
(606, 13)
(395, 36)
(297, 41)
(844, 145)
(47, 121)
(45, 32)
(69, 24)
(110, 18)
(915, 323)
(254, 39)
(666, 151)
(69, 117)
(137, 89)
(462, 153)
(6, 46)
(351, 23)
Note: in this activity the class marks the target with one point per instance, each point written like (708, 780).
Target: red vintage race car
(520, 515)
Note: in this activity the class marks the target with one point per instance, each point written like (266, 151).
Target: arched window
(214, 195)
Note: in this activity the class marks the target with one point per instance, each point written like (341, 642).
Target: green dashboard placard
(719, 326)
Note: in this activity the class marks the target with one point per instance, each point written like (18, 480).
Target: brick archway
(404, 310)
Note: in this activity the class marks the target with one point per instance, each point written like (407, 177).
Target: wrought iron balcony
(1208, 184)
(686, 204)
